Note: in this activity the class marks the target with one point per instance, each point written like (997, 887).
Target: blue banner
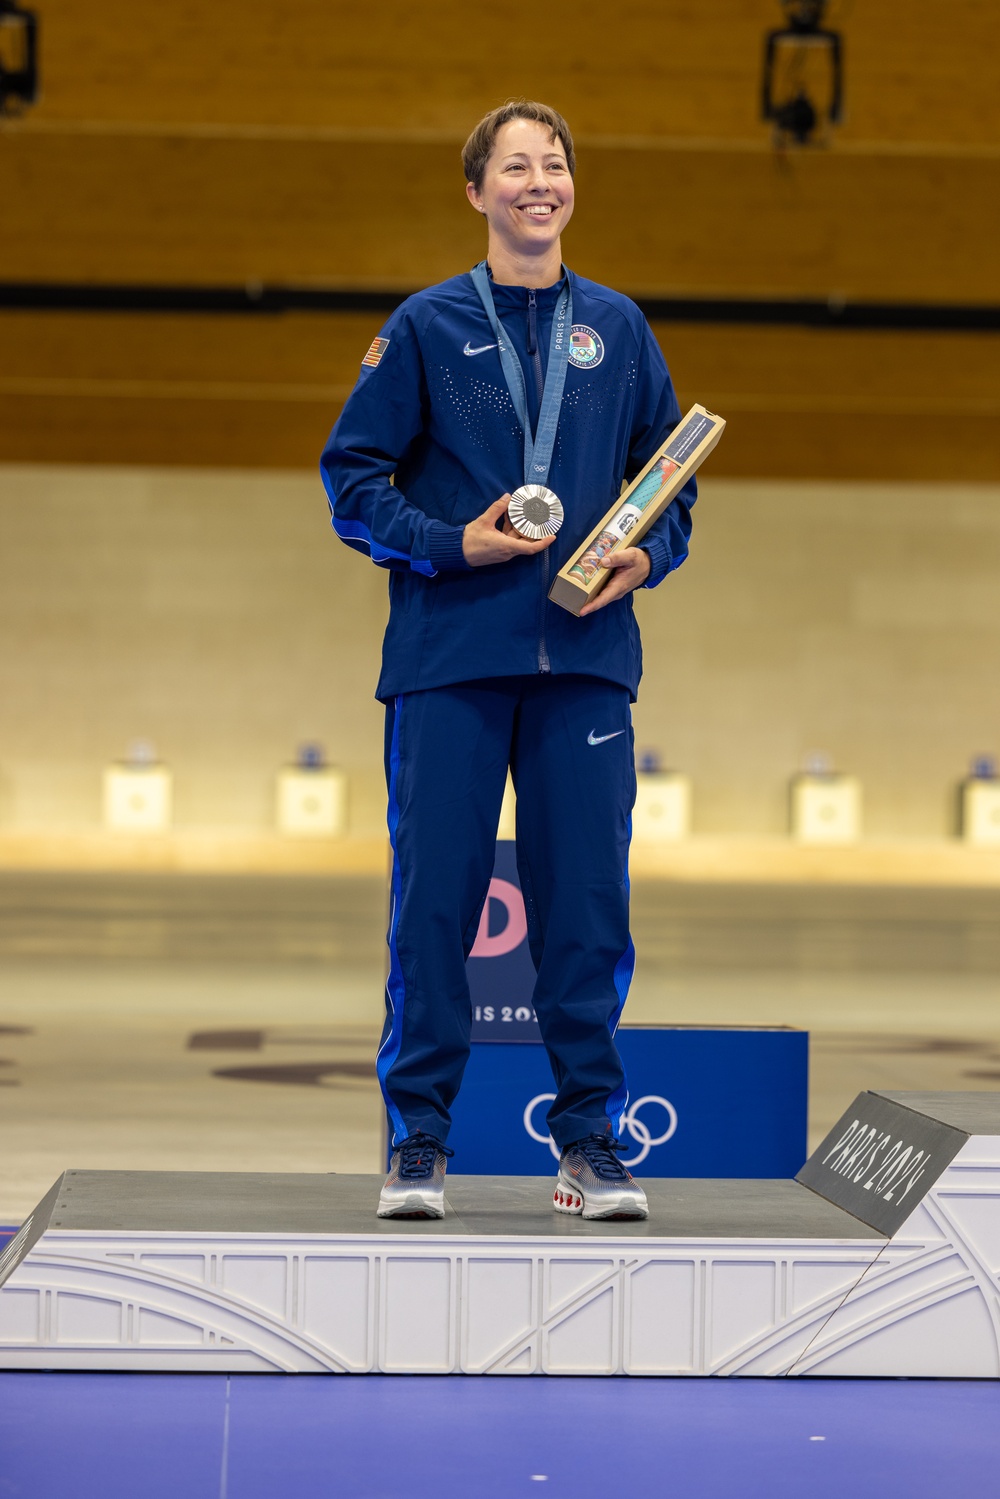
(703, 1102)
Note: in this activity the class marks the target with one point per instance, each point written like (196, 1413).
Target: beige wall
(215, 614)
(858, 619)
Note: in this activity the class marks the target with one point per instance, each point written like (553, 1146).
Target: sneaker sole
(568, 1198)
(413, 1205)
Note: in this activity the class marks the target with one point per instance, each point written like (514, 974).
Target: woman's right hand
(483, 544)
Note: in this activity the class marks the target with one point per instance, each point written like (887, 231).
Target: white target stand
(137, 798)
(981, 812)
(662, 811)
(826, 809)
(311, 803)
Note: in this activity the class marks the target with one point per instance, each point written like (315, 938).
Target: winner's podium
(882, 1257)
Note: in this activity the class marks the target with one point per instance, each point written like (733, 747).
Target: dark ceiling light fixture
(18, 58)
(791, 55)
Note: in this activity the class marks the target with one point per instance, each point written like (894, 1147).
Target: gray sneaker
(414, 1187)
(593, 1182)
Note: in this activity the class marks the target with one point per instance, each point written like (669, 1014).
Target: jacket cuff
(660, 558)
(444, 548)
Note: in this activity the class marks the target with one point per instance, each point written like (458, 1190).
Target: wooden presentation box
(632, 514)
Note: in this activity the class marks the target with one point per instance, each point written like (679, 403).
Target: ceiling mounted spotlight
(803, 75)
(18, 58)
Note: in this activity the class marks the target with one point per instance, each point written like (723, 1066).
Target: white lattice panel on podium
(404, 1304)
(930, 1305)
(242, 1272)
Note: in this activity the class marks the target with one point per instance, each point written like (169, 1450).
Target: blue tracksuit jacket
(429, 438)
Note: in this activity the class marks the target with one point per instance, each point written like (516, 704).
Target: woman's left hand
(631, 569)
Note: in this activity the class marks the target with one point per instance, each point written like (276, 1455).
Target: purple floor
(121, 1436)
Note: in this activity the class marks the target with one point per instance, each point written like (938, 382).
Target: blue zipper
(536, 359)
(543, 651)
(533, 349)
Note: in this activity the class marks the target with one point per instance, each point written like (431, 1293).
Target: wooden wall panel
(923, 71)
(318, 144)
(836, 370)
(195, 433)
(86, 426)
(183, 210)
(256, 391)
(286, 351)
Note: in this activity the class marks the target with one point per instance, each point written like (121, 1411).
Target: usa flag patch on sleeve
(378, 348)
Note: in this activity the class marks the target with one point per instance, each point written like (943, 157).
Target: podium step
(883, 1258)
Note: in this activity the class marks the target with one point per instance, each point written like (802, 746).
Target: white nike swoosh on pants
(600, 738)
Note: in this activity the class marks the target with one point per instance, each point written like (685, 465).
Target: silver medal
(535, 511)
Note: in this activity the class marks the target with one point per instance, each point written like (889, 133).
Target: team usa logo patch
(586, 348)
(374, 355)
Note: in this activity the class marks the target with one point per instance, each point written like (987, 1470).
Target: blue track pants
(568, 742)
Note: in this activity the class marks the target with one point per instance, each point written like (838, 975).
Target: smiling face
(526, 193)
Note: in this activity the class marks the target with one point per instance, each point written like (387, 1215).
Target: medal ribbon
(537, 449)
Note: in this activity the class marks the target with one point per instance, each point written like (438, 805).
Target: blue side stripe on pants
(624, 969)
(395, 987)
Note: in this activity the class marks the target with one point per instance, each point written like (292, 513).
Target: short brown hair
(477, 149)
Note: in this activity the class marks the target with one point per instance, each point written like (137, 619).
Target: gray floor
(227, 1024)
(265, 1202)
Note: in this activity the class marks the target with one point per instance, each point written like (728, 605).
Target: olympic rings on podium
(636, 1127)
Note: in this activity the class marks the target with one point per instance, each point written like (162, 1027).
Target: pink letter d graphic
(513, 934)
